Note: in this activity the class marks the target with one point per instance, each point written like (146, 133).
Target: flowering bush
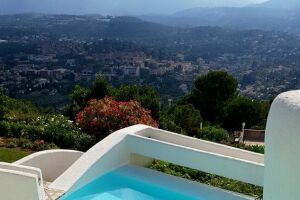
(47, 130)
(102, 117)
(62, 132)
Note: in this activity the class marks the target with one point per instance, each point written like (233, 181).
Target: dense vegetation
(209, 179)
(20, 119)
(215, 100)
(102, 109)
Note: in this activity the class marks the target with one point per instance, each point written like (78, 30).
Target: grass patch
(11, 155)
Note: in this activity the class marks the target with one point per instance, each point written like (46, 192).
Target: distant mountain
(113, 7)
(286, 4)
(237, 18)
(86, 26)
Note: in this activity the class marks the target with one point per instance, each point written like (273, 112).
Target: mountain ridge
(283, 4)
(115, 7)
(258, 17)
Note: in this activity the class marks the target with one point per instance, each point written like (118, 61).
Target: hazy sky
(113, 7)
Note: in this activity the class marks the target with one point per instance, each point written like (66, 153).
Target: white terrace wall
(17, 185)
(52, 162)
(228, 166)
(137, 142)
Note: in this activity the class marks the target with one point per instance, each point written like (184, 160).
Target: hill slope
(86, 26)
(286, 4)
(114, 7)
(237, 18)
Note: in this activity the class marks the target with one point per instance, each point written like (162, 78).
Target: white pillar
(282, 155)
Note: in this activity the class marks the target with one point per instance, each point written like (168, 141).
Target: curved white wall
(116, 150)
(282, 165)
(52, 162)
(108, 154)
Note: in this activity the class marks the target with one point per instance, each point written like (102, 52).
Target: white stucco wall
(17, 185)
(52, 162)
(201, 145)
(25, 169)
(108, 154)
(117, 149)
(282, 164)
(230, 167)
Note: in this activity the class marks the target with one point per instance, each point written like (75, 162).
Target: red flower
(41, 142)
(110, 115)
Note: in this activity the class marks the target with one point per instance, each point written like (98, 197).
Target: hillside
(91, 40)
(238, 18)
(193, 40)
(286, 4)
(115, 7)
(84, 27)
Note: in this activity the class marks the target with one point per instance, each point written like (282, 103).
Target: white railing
(197, 154)
(118, 149)
(20, 183)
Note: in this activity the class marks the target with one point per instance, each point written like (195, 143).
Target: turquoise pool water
(121, 185)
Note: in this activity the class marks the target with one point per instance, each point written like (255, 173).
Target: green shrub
(51, 146)
(25, 144)
(84, 142)
(213, 134)
(4, 128)
(17, 129)
(40, 145)
(20, 110)
(58, 130)
(12, 143)
(206, 178)
(54, 130)
(33, 132)
(253, 148)
(184, 119)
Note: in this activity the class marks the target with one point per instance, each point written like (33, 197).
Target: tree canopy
(2, 101)
(147, 96)
(239, 110)
(100, 88)
(211, 92)
(183, 119)
(78, 100)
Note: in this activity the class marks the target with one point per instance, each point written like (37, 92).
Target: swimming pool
(135, 183)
